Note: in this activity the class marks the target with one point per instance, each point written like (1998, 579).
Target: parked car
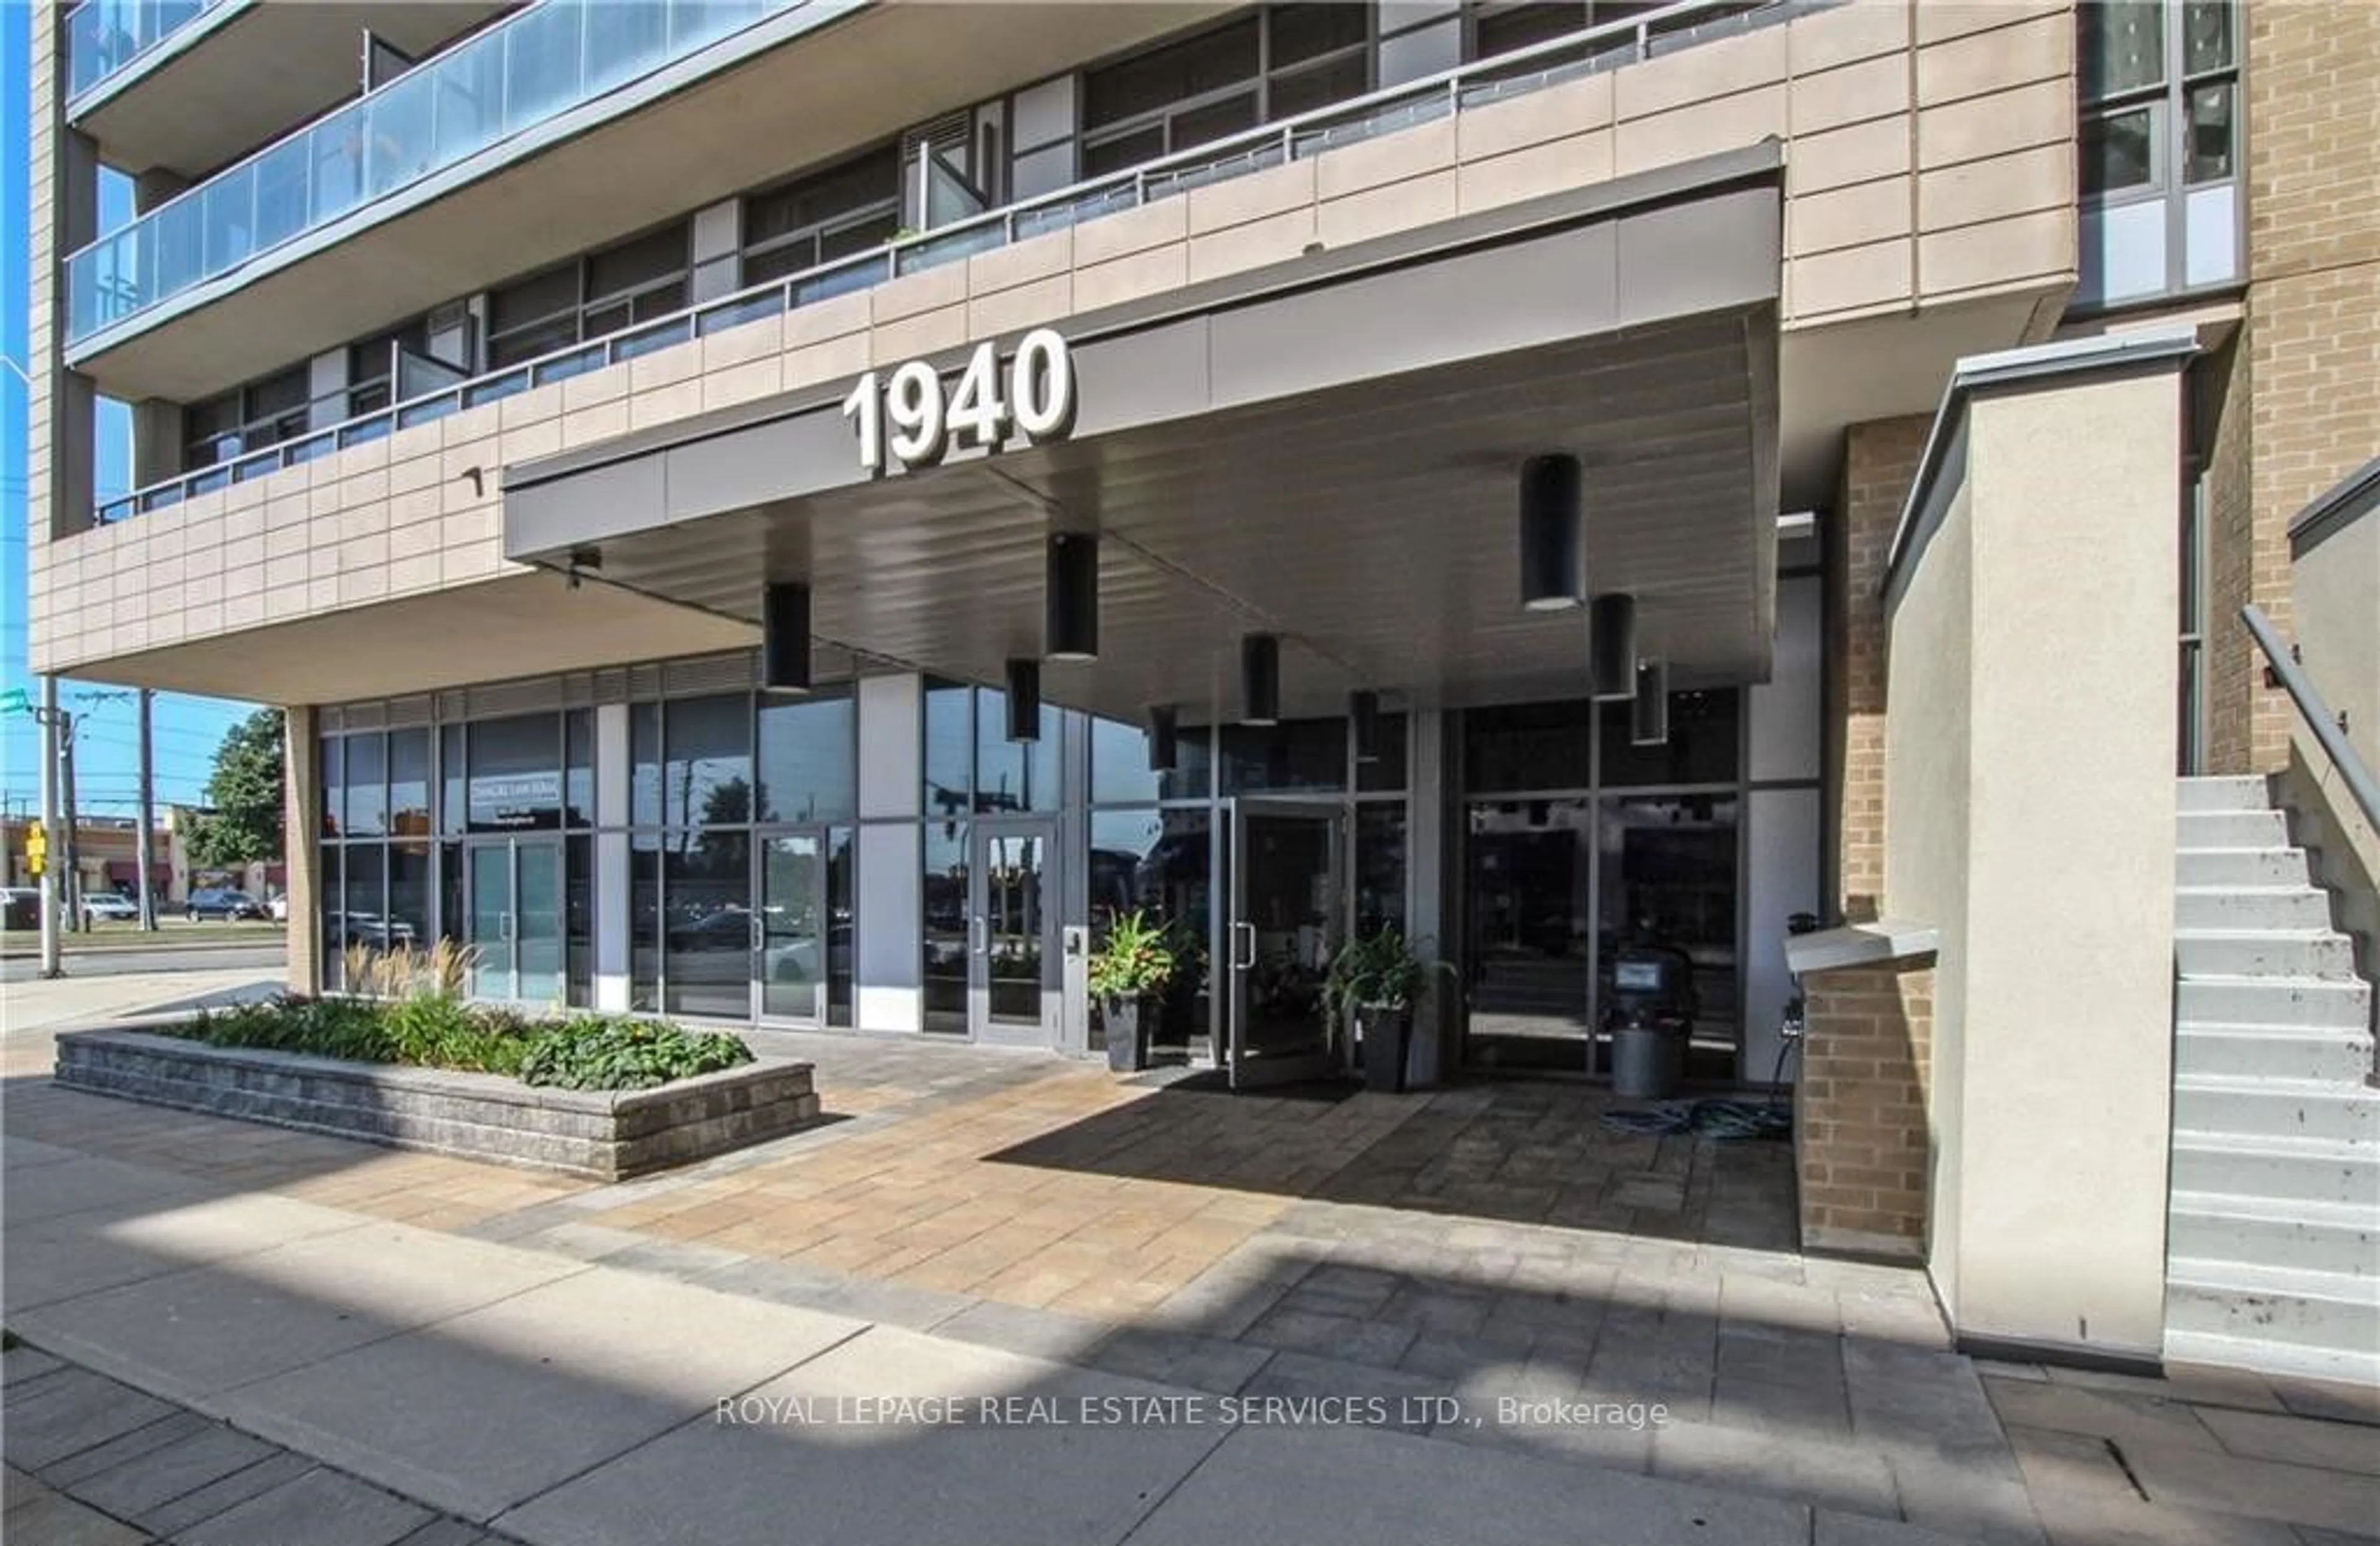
(20, 906)
(108, 907)
(221, 902)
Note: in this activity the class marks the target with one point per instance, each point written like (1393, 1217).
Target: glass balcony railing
(106, 36)
(527, 69)
(1309, 134)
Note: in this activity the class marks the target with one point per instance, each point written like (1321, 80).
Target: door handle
(1244, 930)
(982, 935)
(760, 932)
(504, 927)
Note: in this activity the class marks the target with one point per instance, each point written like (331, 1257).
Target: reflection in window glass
(708, 922)
(2119, 150)
(364, 920)
(841, 882)
(1120, 772)
(367, 791)
(1530, 947)
(2205, 35)
(1666, 887)
(1012, 775)
(645, 921)
(1384, 771)
(945, 910)
(333, 913)
(707, 777)
(949, 747)
(645, 764)
(516, 774)
(578, 767)
(1298, 755)
(1702, 748)
(2210, 133)
(451, 801)
(807, 769)
(577, 922)
(334, 778)
(1379, 866)
(2122, 46)
(1528, 745)
(408, 783)
(1159, 862)
(409, 894)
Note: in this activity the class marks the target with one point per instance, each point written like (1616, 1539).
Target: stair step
(2337, 1054)
(2264, 953)
(2346, 1366)
(2272, 1304)
(2297, 908)
(2342, 1238)
(2231, 829)
(2275, 1170)
(2218, 998)
(2249, 867)
(2223, 792)
(2281, 1108)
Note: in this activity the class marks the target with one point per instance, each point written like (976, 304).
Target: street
(265, 959)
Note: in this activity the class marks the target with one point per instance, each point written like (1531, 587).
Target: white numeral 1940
(978, 408)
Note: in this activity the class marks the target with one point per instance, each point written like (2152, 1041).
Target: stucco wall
(2030, 800)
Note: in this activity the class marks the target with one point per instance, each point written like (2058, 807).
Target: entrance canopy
(1327, 450)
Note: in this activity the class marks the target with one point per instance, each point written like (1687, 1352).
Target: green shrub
(433, 1029)
(595, 1051)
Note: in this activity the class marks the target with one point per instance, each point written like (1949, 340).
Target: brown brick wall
(2312, 337)
(1879, 461)
(1859, 1119)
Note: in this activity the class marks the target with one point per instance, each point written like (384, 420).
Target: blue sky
(187, 729)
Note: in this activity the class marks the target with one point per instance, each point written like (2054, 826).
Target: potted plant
(1374, 979)
(1128, 972)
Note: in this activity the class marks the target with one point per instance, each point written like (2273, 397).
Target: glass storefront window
(645, 764)
(1120, 771)
(1384, 771)
(516, 775)
(707, 777)
(809, 758)
(1530, 948)
(408, 783)
(1012, 775)
(1666, 884)
(944, 907)
(1704, 745)
(1379, 866)
(334, 767)
(841, 890)
(577, 922)
(1528, 745)
(364, 920)
(1297, 756)
(367, 788)
(949, 747)
(408, 894)
(578, 768)
(451, 803)
(1159, 862)
(331, 912)
(645, 921)
(707, 964)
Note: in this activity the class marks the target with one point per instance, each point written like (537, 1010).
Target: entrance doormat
(1218, 1081)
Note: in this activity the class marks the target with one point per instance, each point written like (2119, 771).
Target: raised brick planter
(607, 1135)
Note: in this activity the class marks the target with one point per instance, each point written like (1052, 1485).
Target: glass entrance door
(1013, 990)
(791, 930)
(1288, 901)
(513, 910)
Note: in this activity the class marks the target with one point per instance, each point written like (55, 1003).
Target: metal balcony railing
(1452, 93)
(527, 69)
(106, 36)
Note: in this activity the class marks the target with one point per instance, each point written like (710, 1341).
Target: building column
(1437, 1025)
(888, 989)
(614, 907)
(301, 855)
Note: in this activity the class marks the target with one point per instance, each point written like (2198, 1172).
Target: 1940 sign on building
(913, 417)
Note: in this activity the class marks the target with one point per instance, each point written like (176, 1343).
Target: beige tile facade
(1920, 170)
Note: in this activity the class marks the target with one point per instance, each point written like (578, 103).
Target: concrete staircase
(2273, 1246)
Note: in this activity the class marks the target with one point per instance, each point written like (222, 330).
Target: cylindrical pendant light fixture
(785, 638)
(1071, 598)
(1649, 717)
(1259, 679)
(1553, 566)
(1163, 739)
(1023, 700)
(1364, 716)
(1611, 646)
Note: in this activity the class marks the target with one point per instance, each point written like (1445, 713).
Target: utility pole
(145, 841)
(71, 845)
(48, 716)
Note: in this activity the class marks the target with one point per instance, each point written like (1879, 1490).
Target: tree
(245, 792)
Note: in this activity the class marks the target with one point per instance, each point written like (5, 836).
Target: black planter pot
(1387, 1036)
(1129, 1022)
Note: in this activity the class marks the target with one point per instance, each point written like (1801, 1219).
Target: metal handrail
(2326, 725)
(1449, 92)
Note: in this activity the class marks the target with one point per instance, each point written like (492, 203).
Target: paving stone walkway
(1477, 1267)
